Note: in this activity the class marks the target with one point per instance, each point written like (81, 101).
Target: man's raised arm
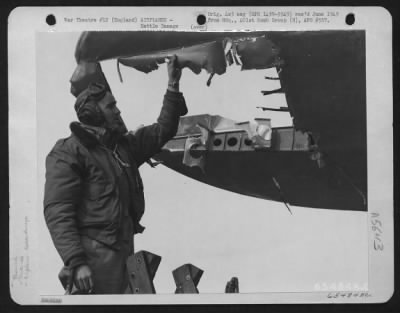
(148, 140)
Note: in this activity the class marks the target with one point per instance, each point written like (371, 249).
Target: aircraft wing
(322, 74)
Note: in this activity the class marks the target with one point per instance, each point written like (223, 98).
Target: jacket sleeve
(148, 140)
(61, 196)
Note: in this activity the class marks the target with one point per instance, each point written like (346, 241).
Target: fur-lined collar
(91, 136)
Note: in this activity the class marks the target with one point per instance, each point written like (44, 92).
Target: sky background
(223, 233)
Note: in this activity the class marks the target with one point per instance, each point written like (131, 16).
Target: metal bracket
(199, 144)
(142, 267)
(186, 278)
(232, 286)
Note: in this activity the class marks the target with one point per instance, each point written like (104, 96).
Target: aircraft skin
(284, 170)
(322, 74)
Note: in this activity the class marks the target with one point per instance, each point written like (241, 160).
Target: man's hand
(174, 73)
(83, 278)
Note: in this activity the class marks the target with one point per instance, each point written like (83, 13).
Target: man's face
(112, 114)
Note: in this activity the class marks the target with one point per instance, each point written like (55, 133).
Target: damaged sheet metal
(191, 155)
(144, 51)
(221, 154)
(250, 53)
(259, 132)
(256, 53)
(189, 125)
(96, 46)
(209, 56)
(325, 86)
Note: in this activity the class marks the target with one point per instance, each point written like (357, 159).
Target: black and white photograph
(201, 155)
